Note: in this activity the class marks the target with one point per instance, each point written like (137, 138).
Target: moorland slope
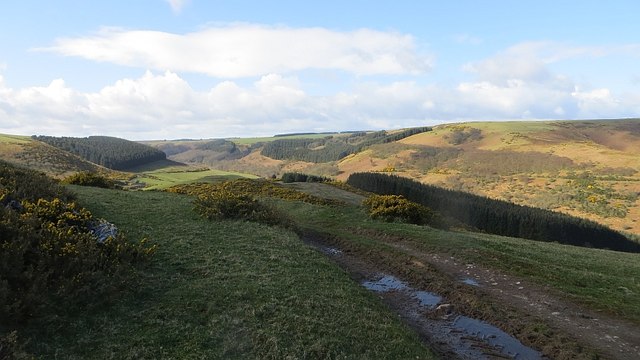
(588, 169)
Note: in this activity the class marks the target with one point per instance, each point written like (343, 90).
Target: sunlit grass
(164, 178)
(223, 290)
(600, 279)
(14, 139)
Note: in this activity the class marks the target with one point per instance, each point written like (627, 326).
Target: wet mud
(457, 336)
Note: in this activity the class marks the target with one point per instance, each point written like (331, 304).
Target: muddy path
(464, 311)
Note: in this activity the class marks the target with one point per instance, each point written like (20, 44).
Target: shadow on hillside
(156, 165)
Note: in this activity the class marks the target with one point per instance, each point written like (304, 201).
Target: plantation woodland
(497, 217)
(113, 153)
(332, 148)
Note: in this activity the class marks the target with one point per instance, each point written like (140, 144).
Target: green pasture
(222, 290)
(163, 178)
(14, 139)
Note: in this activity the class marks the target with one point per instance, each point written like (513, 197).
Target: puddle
(465, 337)
(428, 299)
(390, 283)
(386, 283)
(470, 281)
(506, 343)
(330, 250)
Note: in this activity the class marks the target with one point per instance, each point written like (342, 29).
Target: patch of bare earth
(469, 291)
(613, 338)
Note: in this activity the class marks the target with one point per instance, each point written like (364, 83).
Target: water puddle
(505, 343)
(428, 299)
(386, 283)
(330, 250)
(391, 283)
(470, 281)
(463, 336)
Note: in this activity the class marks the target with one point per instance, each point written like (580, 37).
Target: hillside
(111, 152)
(233, 284)
(587, 169)
(29, 153)
(583, 168)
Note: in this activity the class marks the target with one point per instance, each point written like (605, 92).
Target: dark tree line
(110, 152)
(291, 177)
(498, 217)
(331, 148)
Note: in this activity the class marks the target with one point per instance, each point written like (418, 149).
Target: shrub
(87, 178)
(396, 207)
(49, 256)
(25, 184)
(224, 204)
(252, 188)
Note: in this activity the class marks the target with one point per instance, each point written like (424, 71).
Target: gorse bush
(24, 184)
(87, 178)
(251, 188)
(50, 258)
(239, 199)
(235, 200)
(224, 204)
(397, 208)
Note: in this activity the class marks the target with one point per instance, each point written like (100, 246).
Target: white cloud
(177, 5)
(519, 82)
(246, 50)
(531, 60)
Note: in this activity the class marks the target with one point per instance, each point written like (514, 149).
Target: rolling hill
(29, 153)
(588, 169)
(583, 168)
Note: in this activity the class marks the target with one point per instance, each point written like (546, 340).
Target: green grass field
(14, 139)
(166, 177)
(222, 290)
(250, 141)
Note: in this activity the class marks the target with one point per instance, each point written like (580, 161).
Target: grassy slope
(166, 177)
(608, 149)
(603, 280)
(24, 151)
(223, 290)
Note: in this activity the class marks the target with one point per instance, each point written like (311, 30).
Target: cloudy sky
(167, 69)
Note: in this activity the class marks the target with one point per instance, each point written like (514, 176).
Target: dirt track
(536, 316)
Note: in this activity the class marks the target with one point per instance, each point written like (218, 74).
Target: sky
(199, 69)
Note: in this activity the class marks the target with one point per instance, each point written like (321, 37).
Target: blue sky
(158, 69)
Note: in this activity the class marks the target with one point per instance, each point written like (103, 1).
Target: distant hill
(111, 152)
(589, 169)
(36, 155)
(583, 168)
